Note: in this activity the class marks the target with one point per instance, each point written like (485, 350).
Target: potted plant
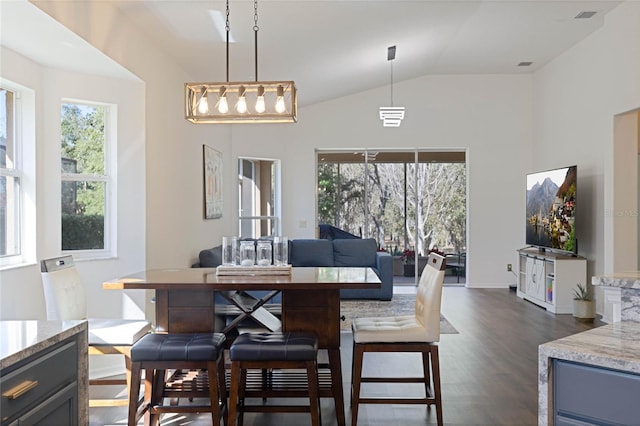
(409, 259)
(583, 305)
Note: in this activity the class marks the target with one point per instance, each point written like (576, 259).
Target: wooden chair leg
(314, 398)
(356, 375)
(233, 393)
(435, 366)
(156, 395)
(95, 350)
(353, 366)
(148, 388)
(222, 385)
(214, 394)
(241, 393)
(426, 367)
(134, 393)
(126, 351)
(336, 380)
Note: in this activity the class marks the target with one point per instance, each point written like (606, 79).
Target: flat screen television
(551, 210)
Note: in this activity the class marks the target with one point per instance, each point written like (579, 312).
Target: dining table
(185, 303)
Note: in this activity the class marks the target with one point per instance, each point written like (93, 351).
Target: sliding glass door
(409, 201)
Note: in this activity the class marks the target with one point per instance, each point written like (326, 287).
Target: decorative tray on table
(254, 270)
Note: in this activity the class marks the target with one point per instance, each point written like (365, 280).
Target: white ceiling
(332, 48)
(29, 31)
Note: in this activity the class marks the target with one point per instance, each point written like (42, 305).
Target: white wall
(575, 100)
(488, 116)
(176, 230)
(20, 288)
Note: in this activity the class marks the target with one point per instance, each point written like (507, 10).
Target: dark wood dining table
(184, 301)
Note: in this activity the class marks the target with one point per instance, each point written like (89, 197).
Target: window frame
(17, 172)
(254, 223)
(25, 133)
(108, 179)
(366, 157)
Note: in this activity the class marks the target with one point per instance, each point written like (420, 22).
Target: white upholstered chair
(411, 333)
(65, 299)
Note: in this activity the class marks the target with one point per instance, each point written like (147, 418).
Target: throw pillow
(352, 252)
(310, 252)
(211, 258)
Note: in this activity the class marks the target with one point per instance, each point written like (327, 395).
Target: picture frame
(212, 167)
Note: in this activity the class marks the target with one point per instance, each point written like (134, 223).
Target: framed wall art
(212, 183)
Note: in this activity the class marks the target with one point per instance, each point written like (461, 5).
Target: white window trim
(109, 179)
(24, 129)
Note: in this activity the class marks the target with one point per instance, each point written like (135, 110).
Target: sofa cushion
(310, 252)
(210, 258)
(352, 252)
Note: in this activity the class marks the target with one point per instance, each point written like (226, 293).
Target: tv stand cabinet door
(535, 276)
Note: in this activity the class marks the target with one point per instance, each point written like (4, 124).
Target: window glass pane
(387, 205)
(401, 203)
(347, 181)
(257, 195)
(83, 215)
(83, 199)
(82, 133)
(327, 193)
(9, 216)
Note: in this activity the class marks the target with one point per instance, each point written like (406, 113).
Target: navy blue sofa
(347, 252)
(339, 252)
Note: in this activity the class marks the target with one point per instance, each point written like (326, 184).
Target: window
(412, 200)
(86, 178)
(258, 197)
(10, 177)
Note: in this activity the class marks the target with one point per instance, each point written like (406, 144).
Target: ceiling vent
(525, 64)
(585, 15)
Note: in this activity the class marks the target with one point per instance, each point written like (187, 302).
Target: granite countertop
(629, 279)
(615, 346)
(20, 339)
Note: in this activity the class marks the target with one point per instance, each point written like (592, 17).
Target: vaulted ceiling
(333, 48)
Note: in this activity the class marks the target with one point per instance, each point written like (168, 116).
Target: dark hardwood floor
(489, 370)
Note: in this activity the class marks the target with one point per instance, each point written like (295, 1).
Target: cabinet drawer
(38, 379)
(585, 394)
(60, 409)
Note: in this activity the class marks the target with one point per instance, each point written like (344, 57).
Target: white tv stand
(548, 279)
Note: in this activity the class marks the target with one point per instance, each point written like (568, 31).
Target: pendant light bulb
(260, 105)
(223, 106)
(241, 105)
(203, 105)
(280, 106)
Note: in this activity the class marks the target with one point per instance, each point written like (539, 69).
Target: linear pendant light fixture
(241, 102)
(391, 116)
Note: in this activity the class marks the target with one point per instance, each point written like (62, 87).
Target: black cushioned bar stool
(285, 351)
(187, 357)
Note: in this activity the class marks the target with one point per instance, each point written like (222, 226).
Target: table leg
(335, 364)
(318, 311)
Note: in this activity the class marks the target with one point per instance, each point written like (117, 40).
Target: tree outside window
(403, 199)
(84, 176)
